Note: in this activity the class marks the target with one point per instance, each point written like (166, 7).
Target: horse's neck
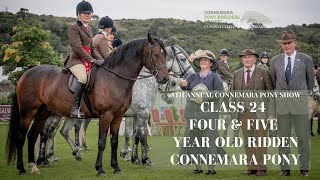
(128, 68)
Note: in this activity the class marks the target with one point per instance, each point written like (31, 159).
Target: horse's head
(171, 86)
(178, 62)
(155, 60)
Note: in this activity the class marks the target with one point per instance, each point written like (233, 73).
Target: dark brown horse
(43, 90)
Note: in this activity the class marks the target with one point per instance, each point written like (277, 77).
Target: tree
(29, 48)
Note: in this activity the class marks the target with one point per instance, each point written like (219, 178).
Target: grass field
(68, 168)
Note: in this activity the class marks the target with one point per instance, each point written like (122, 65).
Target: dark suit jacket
(78, 37)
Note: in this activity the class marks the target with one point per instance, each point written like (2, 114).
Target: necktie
(288, 70)
(248, 76)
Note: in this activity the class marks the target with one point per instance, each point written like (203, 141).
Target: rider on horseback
(82, 53)
(100, 41)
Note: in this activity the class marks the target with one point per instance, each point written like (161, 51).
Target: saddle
(72, 80)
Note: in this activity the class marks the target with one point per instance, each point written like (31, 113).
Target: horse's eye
(183, 59)
(173, 83)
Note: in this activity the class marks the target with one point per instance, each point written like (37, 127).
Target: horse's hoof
(117, 172)
(36, 172)
(147, 162)
(102, 174)
(86, 149)
(34, 168)
(123, 154)
(23, 172)
(78, 158)
(127, 158)
(136, 162)
(129, 149)
(45, 165)
(54, 159)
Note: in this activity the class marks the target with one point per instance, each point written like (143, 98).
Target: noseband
(154, 70)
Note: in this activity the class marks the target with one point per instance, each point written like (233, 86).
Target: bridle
(154, 70)
(183, 70)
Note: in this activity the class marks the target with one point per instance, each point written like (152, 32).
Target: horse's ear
(150, 39)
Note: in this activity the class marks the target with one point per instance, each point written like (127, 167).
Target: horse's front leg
(142, 126)
(126, 145)
(104, 123)
(67, 125)
(46, 136)
(84, 138)
(77, 127)
(50, 149)
(135, 138)
(114, 130)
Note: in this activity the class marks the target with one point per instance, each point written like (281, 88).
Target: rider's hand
(97, 62)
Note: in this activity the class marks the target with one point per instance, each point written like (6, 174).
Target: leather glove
(97, 62)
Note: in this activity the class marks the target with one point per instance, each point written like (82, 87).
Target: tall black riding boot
(75, 110)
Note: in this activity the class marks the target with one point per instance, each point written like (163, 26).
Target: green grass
(68, 168)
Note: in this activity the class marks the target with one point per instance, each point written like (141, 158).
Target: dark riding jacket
(79, 37)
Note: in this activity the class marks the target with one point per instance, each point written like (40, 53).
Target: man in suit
(253, 79)
(224, 69)
(293, 71)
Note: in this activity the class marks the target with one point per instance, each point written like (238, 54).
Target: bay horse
(39, 93)
(142, 101)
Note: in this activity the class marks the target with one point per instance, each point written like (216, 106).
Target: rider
(82, 53)
(264, 58)
(100, 41)
(224, 69)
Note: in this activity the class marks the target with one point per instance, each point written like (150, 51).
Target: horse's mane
(132, 48)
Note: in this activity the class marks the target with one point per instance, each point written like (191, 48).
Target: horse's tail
(13, 132)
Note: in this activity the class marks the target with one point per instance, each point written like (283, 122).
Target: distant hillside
(189, 35)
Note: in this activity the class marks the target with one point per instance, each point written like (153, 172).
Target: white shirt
(292, 57)
(245, 73)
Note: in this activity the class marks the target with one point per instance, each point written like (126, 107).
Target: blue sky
(280, 12)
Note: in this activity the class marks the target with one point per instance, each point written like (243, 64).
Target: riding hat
(105, 22)
(224, 52)
(84, 7)
(264, 55)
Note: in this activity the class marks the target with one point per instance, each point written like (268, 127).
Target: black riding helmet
(84, 7)
(224, 52)
(105, 22)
